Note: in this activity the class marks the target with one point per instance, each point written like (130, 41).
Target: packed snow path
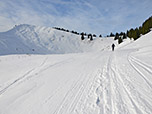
(106, 82)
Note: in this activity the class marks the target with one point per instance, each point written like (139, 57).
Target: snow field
(96, 82)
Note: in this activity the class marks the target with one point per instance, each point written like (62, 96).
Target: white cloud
(97, 16)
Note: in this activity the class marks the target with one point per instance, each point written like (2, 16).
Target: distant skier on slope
(113, 47)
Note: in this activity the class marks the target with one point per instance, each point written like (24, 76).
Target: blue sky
(91, 16)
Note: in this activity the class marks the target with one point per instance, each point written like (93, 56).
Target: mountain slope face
(27, 39)
(101, 82)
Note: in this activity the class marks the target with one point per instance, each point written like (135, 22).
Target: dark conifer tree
(124, 36)
(120, 40)
(137, 34)
(82, 36)
(127, 33)
(144, 29)
(121, 34)
(116, 36)
(94, 35)
(91, 37)
(111, 34)
(100, 35)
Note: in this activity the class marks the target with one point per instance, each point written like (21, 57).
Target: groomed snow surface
(95, 82)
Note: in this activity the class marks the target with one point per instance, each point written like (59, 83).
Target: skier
(113, 46)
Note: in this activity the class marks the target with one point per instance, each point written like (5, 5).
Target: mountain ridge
(30, 39)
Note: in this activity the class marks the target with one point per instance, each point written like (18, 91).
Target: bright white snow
(96, 82)
(27, 39)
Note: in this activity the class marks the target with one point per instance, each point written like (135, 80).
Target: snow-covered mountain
(23, 39)
(98, 82)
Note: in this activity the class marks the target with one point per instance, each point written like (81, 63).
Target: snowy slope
(97, 82)
(23, 39)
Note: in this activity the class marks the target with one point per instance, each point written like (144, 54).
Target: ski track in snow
(117, 99)
(83, 94)
(109, 88)
(138, 65)
(31, 73)
(104, 97)
(75, 94)
(111, 101)
(15, 81)
(26, 76)
(112, 90)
